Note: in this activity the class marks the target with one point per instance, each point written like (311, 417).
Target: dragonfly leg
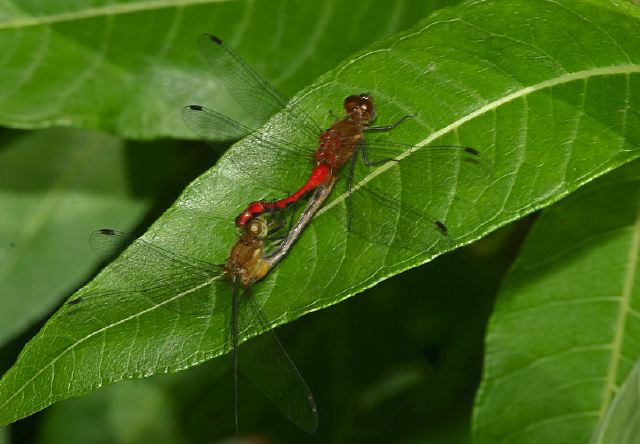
(279, 222)
(382, 129)
(276, 223)
(365, 156)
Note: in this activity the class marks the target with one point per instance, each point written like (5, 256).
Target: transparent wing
(267, 365)
(258, 98)
(266, 158)
(291, 151)
(430, 156)
(148, 276)
(386, 204)
(213, 127)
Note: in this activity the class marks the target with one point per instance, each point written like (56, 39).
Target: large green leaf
(129, 67)
(563, 337)
(548, 94)
(77, 182)
(621, 424)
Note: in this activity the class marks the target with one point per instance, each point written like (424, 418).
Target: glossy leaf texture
(77, 182)
(564, 334)
(621, 423)
(128, 67)
(549, 97)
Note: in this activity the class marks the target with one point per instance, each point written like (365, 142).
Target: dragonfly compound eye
(351, 104)
(360, 107)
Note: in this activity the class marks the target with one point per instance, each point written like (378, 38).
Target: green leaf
(621, 424)
(77, 182)
(128, 67)
(126, 413)
(550, 97)
(563, 335)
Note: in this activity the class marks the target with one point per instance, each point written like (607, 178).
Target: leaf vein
(564, 78)
(625, 304)
(104, 329)
(113, 9)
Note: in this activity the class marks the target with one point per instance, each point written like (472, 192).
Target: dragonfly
(159, 277)
(371, 210)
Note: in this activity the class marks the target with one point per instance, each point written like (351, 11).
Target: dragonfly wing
(267, 365)
(265, 157)
(258, 98)
(213, 126)
(148, 277)
(380, 150)
(402, 200)
(382, 218)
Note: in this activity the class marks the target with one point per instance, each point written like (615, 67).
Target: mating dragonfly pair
(370, 211)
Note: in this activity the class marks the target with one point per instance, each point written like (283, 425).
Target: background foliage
(547, 90)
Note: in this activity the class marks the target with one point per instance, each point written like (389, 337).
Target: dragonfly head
(257, 228)
(360, 108)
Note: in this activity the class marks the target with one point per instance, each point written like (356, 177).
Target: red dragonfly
(377, 212)
(160, 279)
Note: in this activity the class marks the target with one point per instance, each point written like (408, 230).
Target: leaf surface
(563, 337)
(128, 67)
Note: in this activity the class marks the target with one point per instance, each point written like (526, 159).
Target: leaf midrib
(105, 328)
(110, 10)
(625, 305)
(565, 78)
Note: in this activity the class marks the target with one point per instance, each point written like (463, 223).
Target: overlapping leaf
(563, 338)
(77, 182)
(128, 67)
(621, 423)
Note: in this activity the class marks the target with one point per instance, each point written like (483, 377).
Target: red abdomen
(337, 145)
